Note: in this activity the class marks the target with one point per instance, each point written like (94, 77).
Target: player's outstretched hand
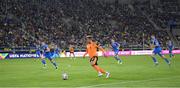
(83, 57)
(105, 55)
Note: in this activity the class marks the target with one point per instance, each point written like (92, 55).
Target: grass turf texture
(136, 71)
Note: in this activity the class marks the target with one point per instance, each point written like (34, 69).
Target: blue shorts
(170, 49)
(157, 50)
(48, 55)
(39, 53)
(116, 52)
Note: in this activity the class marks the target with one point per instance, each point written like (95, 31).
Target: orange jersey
(91, 49)
(71, 49)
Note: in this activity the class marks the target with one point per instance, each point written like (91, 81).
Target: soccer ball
(64, 76)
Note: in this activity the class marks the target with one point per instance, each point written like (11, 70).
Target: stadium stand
(66, 22)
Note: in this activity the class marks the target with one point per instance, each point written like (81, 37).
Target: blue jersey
(56, 53)
(57, 50)
(157, 49)
(37, 47)
(155, 42)
(44, 48)
(115, 47)
(38, 50)
(46, 52)
(170, 44)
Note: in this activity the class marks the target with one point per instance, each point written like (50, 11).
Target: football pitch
(136, 71)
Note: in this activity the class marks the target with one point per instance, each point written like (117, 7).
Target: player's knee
(162, 56)
(92, 64)
(115, 56)
(42, 58)
(50, 60)
(152, 55)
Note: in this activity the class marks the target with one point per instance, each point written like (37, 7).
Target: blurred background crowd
(67, 22)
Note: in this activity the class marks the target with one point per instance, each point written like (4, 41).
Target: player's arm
(85, 53)
(103, 51)
(100, 48)
(48, 48)
(118, 45)
(173, 46)
(151, 44)
(167, 45)
(109, 47)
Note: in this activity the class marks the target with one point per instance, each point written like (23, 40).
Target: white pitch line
(98, 85)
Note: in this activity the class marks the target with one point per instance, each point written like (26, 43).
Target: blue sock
(154, 59)
(170, 55)
(54, 63)
(167, 61)
(43, 62)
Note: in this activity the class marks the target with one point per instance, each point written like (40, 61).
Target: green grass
(136, 71)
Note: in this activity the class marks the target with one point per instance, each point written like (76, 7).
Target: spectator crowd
(67, 22)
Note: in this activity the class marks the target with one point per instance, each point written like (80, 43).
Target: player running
(57, 50)
(115, 46)
(47, 53)
(71, 50)
(157, 50)
(170, 48)
(38, 49)
(91, 50)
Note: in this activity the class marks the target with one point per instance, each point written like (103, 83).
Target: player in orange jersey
(71, 50)
(91, 50)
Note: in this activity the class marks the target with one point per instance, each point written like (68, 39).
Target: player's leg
(159, 52)
(73, 54)
(165, 59)
(70, 55)
(154, 58)
(38, 55)
(43, 61)
(93, 62)
(58, 55)
(117, 58)
(100, 71)
(49, 56)
(53, 62)
(171, 54)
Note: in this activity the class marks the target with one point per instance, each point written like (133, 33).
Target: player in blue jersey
(38, 49)
(115, 46)
(38, 52)
(47, 53)
(157, 50)
(57, 50)
(170, 48)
